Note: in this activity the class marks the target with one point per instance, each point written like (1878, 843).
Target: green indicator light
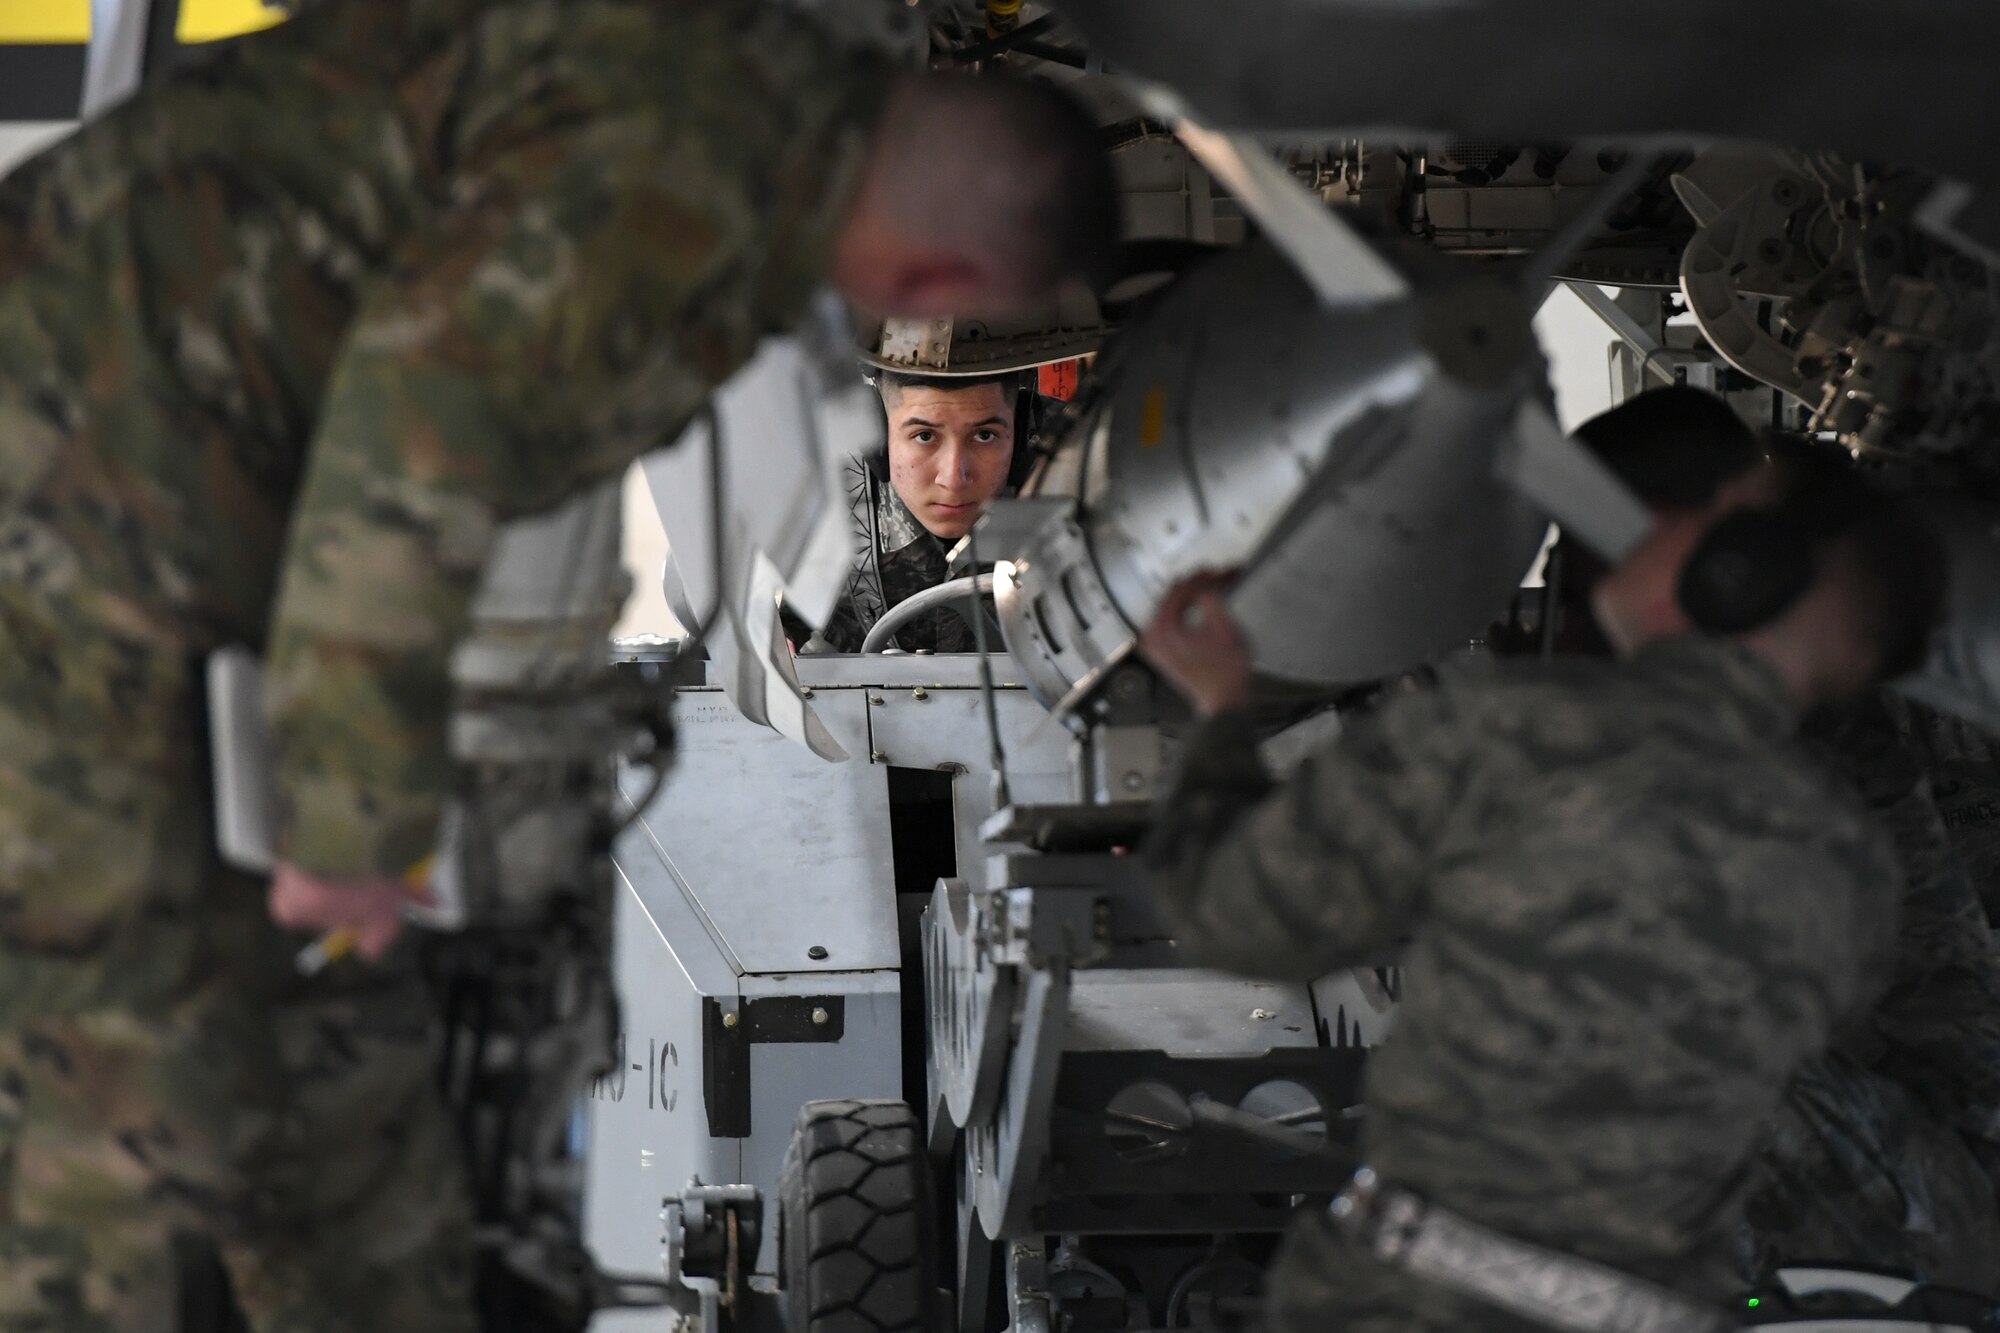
(1754, 1302)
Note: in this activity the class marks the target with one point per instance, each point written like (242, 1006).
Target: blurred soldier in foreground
(281, 342)
(1875, 1153)
(953, 443)
(1633, 907)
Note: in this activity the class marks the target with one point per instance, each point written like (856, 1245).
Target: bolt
(729, 1020)
(878, 757)
(806, 692)
(821, 1017)
(817, 952)
(920, 693)
(1262, 1015)
(877, 700)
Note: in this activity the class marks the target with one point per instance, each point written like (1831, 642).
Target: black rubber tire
(857, 1245)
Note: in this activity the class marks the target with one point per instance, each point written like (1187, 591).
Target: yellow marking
(336, 944)
(1153, 418)
(31, 22)
(67, 22)
(213, 20)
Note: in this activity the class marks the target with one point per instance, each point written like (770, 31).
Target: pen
(336, 944)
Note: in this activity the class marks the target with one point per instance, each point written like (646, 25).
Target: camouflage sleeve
(1936, 1025)
(603, 271)
(1320, 872)
(1939, 1024)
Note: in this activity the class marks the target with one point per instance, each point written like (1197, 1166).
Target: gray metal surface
(1346, 456)
(865, 1062)
(1342, 268)
(945, 728)
(644, 1121)
(1570, 482)
(548, 596)
(117, 59)
(780, 852)
(1185, 1012)
(647, 1127)
(754, 508)
(1355, 1006)
(959, 671)
(1907, 84)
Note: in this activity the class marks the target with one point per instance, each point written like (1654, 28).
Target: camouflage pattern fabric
(1882, 1150)
(895, 557)
(1633, 906)
(1964, 770)
(300, 1137)
(282, 340)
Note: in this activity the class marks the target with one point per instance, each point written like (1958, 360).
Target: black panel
(163, 49)
(725, 1074)
(774, 1020)
(40, 82)
(1221, 1181)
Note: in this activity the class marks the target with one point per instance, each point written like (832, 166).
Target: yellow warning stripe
(27, 22)
(67, 22)
(213, 20)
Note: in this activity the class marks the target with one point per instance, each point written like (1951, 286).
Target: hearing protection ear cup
(1747, 571)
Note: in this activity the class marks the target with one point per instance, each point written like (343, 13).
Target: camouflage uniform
(281, 341)
(1634, 906)
(1876, 1155)
(1964, 773)
(895, 557)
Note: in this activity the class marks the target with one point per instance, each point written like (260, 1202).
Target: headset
(1754, 564)
(1031, 411)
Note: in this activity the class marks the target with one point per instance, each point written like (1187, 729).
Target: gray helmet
(1070, 326)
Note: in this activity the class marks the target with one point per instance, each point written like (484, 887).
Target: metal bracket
(730, 1029)
(1036, 929)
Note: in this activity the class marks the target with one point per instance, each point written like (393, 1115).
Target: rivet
(817, 952)
(878, 757)
(920, 693)
(729, 1020)
(877, 700)
(806, 692)
(821, 1017)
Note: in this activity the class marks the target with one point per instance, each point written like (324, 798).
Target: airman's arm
(1323, 870)
(573, 310)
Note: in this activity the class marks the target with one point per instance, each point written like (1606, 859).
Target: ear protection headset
(1753, 565)
(1030, 410)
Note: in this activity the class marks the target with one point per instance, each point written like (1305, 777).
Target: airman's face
(949, 450)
